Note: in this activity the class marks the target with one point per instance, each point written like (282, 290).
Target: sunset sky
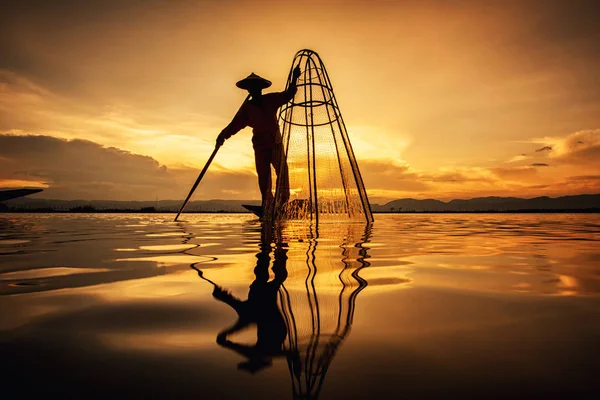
(123, 99)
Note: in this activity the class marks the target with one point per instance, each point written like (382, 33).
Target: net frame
(297, 124)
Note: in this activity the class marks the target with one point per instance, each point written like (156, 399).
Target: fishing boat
(9, 194)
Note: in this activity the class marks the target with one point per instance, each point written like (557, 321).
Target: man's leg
(283, 179)
(262, 160)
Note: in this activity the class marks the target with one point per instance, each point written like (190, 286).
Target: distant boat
(14, 193)
(256, 210)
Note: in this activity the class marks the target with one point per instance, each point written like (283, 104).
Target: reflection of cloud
(83, 169)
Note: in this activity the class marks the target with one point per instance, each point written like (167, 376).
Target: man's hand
(220, 140)
(296, 73)
(220, 292)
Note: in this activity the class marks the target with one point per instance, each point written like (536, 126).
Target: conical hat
(252, 81)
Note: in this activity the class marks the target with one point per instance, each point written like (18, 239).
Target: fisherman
(260, 113)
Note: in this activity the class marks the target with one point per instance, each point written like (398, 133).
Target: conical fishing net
(324, 180)
(317, 300)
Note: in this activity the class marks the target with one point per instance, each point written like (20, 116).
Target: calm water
(137, 306)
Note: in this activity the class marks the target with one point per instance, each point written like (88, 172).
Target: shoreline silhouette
(563, 204)
(92, 210)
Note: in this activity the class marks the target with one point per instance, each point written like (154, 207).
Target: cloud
(576, 185)
(572, 153)
(514, 173)
(175, 135)
(391, 175)
(520, 157)
(81, 169)
(76, 168)
(389, 179)
(457, 175)
(581, 148)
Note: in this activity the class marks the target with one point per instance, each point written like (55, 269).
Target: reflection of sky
(505, 288)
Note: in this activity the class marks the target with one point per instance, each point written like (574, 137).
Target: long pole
(214, 153)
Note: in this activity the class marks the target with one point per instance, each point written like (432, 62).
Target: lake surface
(415, 306)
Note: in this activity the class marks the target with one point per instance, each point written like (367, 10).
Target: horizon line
(258, 200)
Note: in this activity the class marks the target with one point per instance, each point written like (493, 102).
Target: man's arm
(238, 326)
(239, 122)
(227, 298)
(290, 92)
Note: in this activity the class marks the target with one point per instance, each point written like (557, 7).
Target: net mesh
(324, 180)
(318, 298)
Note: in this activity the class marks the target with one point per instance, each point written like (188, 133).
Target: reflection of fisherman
(260, 114)
(260, 309)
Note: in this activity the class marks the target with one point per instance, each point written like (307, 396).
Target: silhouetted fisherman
(261, 309)
(260, 113)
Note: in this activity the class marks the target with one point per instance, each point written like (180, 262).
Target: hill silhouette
(577, 202)
(590, 202)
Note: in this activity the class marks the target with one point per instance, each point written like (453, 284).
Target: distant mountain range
(25, 203)
(480, 204)
(579, 202)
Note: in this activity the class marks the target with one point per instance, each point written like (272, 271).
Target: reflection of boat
(317, 300)
(14, 193)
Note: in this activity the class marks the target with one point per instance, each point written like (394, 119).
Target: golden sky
(442, 99)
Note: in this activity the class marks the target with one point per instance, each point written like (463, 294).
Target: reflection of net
(325, 183)
(318, 302)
